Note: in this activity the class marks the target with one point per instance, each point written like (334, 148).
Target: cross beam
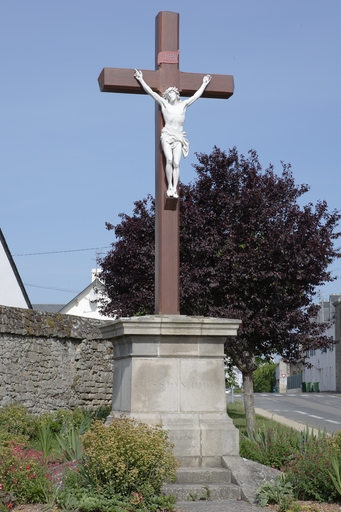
(167, 220)
(122, 80)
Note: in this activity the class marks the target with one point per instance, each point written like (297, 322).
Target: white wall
(10, 291)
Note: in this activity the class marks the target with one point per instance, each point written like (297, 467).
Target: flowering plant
(23, 473)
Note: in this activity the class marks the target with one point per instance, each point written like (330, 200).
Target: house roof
(94, 284)
(14, 270)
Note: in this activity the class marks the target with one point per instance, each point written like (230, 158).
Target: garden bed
(305, 506)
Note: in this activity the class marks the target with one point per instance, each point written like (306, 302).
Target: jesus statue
(173, 137)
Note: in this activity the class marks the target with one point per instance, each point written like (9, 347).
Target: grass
(237, 414)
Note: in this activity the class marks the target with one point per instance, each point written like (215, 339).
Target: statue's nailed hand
(138, 75)
(206, 80)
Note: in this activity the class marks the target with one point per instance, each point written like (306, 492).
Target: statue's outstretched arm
(205, 81)
(139, 77)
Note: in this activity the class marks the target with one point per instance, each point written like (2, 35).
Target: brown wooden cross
(167, 218)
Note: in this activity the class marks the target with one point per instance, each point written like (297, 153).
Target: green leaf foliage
(309, 460)
(16, 420)
(264, 378)
(308, 470)
(70, 442)
(128, 456)
(280, 492)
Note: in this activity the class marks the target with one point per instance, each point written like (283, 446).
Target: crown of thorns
(169, 90)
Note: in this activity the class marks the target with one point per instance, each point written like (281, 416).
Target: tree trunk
(246, 362)
(249, 403)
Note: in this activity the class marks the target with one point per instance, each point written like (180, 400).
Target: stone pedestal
(170, 370)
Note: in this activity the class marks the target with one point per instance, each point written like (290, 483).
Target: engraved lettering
(201, 385)
(168, 57)
(150, 384)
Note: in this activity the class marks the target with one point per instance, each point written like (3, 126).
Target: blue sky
(72, 158)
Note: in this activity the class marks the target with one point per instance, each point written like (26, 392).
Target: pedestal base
(169, 370)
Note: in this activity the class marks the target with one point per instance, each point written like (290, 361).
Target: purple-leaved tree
(248, 250)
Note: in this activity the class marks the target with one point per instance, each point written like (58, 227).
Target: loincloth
(175, 138)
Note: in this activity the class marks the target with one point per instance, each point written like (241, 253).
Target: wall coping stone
(29, 322)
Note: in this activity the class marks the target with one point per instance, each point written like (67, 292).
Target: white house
(86, 302)
(12, 290)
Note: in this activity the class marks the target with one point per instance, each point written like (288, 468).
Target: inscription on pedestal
(202, 385)
(150, 384)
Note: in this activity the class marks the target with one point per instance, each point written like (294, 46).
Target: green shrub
(274, 446)
(280, 493)
(101, 413)
(305, 457)
(70, 443)
(128, 456)
(7, 438)
(335, 441)
(50, 421)
(78, 496)
(264, 378)
(45, 440)
(7, 500)
(335, 473)
(15, 419)
(64, 418)
(270, 446)
(308, 470)
(84, 499)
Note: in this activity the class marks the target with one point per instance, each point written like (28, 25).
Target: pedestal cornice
(171, 325)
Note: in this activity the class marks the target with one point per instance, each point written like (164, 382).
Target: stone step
(229, 505)
(203, 476)
(199, 492)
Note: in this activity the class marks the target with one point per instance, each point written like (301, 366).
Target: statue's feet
(171, 192)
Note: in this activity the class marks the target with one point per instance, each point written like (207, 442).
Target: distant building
(324, 369)
(12, 290)
(282, 374)
(86, 302)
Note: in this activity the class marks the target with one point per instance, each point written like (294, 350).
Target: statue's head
(169, 90)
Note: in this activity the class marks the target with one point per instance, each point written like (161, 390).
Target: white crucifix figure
(173, 136)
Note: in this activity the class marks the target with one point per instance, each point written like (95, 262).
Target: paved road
(318, 410)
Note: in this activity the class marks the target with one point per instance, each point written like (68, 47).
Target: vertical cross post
(167, 211)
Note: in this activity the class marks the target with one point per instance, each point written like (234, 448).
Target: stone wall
(50, 361)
